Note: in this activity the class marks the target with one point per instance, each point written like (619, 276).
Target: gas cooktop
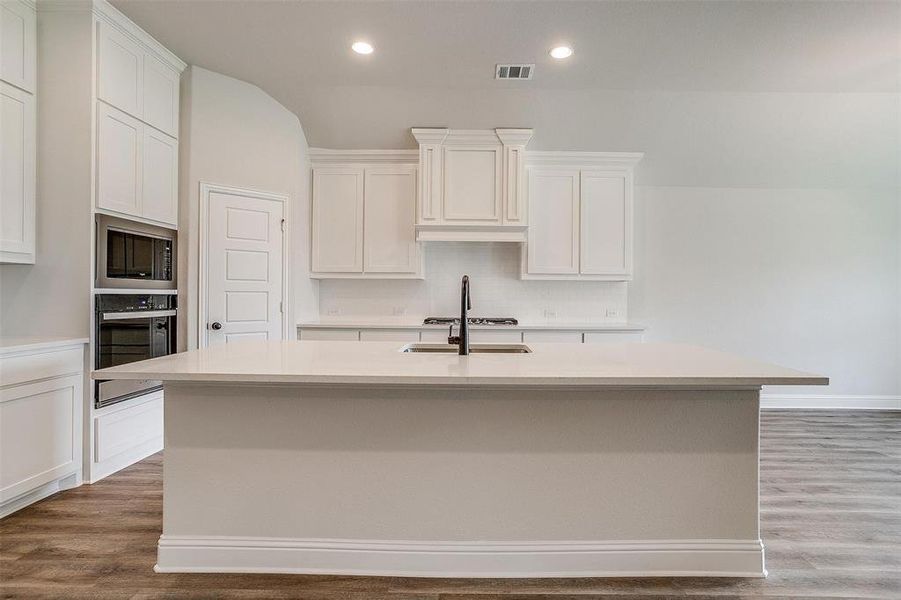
(471, 321)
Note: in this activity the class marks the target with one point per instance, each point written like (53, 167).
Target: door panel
(390, 213)
(553, 221)
(17, 172)
(121, 62)
(245, 290)
(604, 223)
(118, 161)
(472, 184)
(160, 95)
(19, 45)
(338, 220)
(159, 200)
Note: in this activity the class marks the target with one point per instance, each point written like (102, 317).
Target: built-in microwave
(134, 255)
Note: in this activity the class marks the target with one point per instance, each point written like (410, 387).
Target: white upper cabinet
(18, 131)
(364, 216)
(121, 70)
(389, 237)
(159, 192)
(17, 175)
(160, 95)
(137, 123)
(18, 45)
(471, 184)
(119, 161)
(337, 220)
(580, 206)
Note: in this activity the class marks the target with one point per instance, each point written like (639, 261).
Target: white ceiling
(434, 63)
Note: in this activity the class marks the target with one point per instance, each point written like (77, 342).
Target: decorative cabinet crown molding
(325, 156)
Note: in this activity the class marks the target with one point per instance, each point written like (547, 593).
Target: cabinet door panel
(338, 220)
(39, 433)
(160, 95)
(17, 175)
(389, 236)
(605, 224)
(472, 184)
(553, 246)
(121, 70)
(159, 194)
(18, 44)
(119, 141)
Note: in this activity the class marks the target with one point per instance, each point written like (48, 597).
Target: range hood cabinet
(471, 185)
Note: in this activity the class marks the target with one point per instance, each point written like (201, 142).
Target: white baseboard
(811, 401)
(48, 489)
(646, 558)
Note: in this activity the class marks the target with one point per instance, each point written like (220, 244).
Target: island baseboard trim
(621, 558)
(829, 402)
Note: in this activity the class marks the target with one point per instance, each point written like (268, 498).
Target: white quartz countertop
(381, 363)
(10, 345)
(389, 323)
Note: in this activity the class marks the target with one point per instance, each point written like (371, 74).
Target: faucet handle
(451, 338)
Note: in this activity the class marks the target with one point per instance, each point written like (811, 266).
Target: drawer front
(476, 336)
(489, 336)
(118, 431)
(552, 336)
(389, 335)
(40, 434)
(42, 365)
(334, 335)
(612, 337)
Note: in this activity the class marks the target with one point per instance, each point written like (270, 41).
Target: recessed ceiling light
(362, 48)
(561, 52)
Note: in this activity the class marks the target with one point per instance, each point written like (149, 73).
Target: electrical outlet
(550, 314)
(612, 313)
(333, 312)
(399, 311)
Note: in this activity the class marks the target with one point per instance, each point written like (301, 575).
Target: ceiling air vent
(514, 71)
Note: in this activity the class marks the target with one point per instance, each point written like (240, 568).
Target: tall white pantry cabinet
(18, 130)
(137, 127)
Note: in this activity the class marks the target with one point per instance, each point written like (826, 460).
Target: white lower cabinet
(125, 433)
(435, 335)
(335, 335)
(389, 335)
(41, 404)
(552, 336)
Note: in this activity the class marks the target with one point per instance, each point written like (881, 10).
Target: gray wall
(53, 296)
(234, 134)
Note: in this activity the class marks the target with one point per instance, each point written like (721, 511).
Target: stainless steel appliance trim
(105, 223)
(138, 314)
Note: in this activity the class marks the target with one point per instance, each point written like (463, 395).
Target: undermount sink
(473, 348)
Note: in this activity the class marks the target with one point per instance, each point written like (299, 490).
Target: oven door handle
(138, 314)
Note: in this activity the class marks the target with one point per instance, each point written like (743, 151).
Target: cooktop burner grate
(471, 321)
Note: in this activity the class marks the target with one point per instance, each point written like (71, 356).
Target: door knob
(216, 325)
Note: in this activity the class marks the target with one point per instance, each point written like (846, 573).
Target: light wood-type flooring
(830, 517)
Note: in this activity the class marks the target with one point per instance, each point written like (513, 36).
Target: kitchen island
(570, 460)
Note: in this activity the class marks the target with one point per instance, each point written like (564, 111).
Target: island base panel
(447, 482)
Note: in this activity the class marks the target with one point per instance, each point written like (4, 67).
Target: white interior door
(245, 287)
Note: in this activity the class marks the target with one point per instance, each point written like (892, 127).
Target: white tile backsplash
(496, 290)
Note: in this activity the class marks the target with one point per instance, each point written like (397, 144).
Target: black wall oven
(134, 255)
(129, 328)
